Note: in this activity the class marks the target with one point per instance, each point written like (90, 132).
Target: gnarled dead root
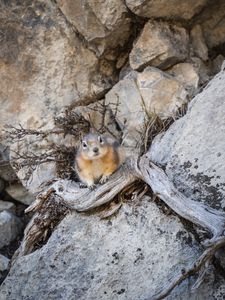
(81, 200)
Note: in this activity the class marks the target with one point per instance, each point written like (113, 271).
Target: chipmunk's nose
(95, 150)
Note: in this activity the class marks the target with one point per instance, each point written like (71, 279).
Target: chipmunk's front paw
(92, 187)
(82, 185)
(104, 179)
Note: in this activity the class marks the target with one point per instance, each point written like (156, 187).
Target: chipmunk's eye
(84, 144)
(100, 140)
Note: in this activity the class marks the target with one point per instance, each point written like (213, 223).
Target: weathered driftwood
(202, 215)
(82, 200)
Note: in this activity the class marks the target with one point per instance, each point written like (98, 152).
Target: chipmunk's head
(93, 146)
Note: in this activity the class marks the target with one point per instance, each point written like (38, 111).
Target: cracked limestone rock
(160, 45)
(188, 76)
(172, 9)
(46, 61)
(193, 148)
(10, 227)
(140, 95)
(103, 23)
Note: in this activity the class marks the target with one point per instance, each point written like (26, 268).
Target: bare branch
(196, 212)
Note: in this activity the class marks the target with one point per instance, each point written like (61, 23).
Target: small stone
(2, 185)
(217, 64)
(19, 193)
(202, 70)
(162, 94)
(10, 227)
(187, 75)
(5, 205)
(4, 263)
(213, 25)
(160, 45)
(198, 43)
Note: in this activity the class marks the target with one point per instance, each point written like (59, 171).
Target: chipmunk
(97, 158)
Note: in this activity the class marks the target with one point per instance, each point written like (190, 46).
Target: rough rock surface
(198, 43)
(159, 45)
(141, 95)
(188, 76)
(4, 262)
(2, 185)
(18, 192)
(48, 64)
(193, 148)
(10, 227)
(88, 258)
(104, 24)
(6, 205)
(213, 24)
(173, 9)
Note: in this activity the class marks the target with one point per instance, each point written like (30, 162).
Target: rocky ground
(60, 62)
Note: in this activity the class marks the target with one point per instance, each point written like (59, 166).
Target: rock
(203, 70)
(160, 45)
(166, 9)
(161, 93)
(217, 64)
(130, 115)
(6, 171)
(213, 24)
(49, 65)
(103, 23)
(2, 185)
(4, 263)
(198, 43)
(6, 205)
(18, 192)
(187, 75)
(193, 148)
(141, 95)
(127, 257)
(10, 227)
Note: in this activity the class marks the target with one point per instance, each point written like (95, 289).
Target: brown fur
(90, 169)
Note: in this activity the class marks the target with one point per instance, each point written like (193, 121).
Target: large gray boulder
(193, 148)
(127, 257)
